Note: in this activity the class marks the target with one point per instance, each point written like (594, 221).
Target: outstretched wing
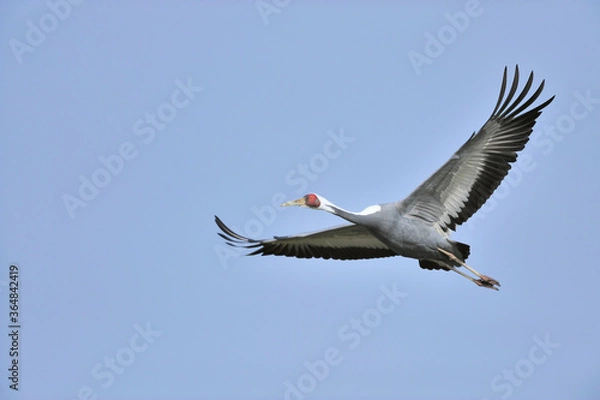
(461, 186)
(348, 242)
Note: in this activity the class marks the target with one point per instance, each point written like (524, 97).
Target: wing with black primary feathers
(464, 183)
(347, 242)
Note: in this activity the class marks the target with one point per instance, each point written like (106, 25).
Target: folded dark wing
(348, 242)
(461, 186)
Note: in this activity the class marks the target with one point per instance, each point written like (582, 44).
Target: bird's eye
(312, 200)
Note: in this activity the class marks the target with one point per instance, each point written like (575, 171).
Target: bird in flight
(419, 226)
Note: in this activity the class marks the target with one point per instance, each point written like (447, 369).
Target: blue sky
(127, 127)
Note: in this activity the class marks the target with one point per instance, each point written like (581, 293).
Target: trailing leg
(483, 281)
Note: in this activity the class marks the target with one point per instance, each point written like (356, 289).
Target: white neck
(328, 206)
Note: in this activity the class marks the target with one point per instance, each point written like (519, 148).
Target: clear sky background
(126, 291)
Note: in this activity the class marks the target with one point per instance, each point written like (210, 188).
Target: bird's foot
(486, 281)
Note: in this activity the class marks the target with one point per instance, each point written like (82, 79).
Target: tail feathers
(463, 248)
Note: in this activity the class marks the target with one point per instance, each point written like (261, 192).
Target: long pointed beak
(298, 202)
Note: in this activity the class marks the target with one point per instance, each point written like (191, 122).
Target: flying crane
(419, 226)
